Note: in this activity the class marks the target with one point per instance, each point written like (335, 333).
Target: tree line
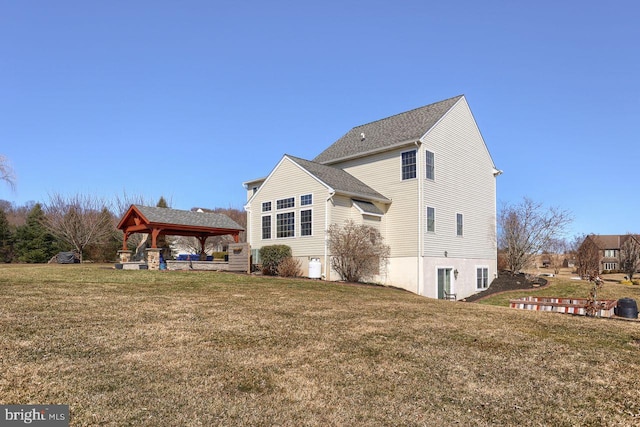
(35, 232)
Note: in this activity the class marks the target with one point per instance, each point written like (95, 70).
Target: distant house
(424, 178)
(608, 249)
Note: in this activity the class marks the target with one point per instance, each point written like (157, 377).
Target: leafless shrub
(290, 267)
(357, 251)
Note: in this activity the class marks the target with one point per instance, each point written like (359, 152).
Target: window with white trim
(289, 202)
(306, 199)
(610, 253)
(430, 165)
(431, 219)
(409, 164)
(482, 278)
(305, 222)
(266, 227)
(610, 266)
(266, 206)
(285, 224)
(459, 224)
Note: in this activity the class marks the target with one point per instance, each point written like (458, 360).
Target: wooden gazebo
(173, 222)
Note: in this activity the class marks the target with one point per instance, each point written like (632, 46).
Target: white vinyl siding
(399, 225)
(285, 181)
(465, 184)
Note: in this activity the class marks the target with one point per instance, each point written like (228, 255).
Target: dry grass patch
(186, 348)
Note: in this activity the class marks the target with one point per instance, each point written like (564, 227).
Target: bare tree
(630, 255)
(78, 220)
(587, 256)
(526, 229)
(556, 250)
(357, 251)
(6, 172)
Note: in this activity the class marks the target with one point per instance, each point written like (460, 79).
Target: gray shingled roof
(189, 218)
(385, 133)
(367, 207)
(339, 180)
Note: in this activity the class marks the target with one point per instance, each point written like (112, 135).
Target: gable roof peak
(387, 133)
(448, 100)
(338, 180)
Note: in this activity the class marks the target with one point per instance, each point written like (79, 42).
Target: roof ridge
(409, 111)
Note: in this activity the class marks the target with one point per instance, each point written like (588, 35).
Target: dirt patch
(508, 281)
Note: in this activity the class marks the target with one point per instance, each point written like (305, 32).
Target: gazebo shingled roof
(165, 221)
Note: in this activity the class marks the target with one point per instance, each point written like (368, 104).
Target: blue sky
(189, 99)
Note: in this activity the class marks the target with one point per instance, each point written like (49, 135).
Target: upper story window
(610, 253)
(459, 224)
(306, 199)
(430, 165)
(431, 219)
(409, 164)
(266, 206)
(286, 203)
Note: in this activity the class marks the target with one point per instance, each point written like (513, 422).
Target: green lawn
(205, 348)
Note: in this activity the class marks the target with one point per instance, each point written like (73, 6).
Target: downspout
(496, 174)
(248, 236)
(420, 218)
(327, 269)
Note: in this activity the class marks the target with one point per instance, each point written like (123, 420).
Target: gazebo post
(153, 258)
(203, 253)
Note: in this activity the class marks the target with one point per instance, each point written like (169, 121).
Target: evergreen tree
(162, 203)
(33, 242)
(6, 238)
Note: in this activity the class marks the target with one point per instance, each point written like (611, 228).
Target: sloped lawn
(204, 348)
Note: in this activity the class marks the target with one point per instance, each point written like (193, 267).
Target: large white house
(424, 178)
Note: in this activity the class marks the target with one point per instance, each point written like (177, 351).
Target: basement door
(444, 281)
